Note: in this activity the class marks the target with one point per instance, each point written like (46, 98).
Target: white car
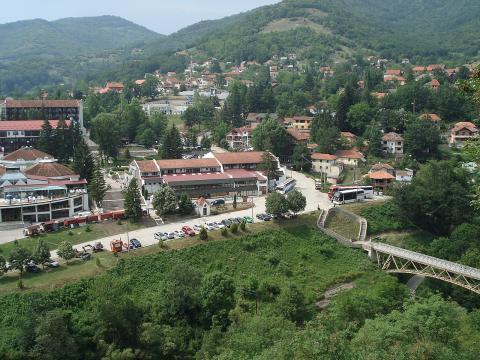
(197, 227)
(179, 233)
(219, 225)
(210, 226)
(159, 236)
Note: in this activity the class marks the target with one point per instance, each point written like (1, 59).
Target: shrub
(70, 233)
(88, 229)
(224, 232)
(20, 284)
(119, 222)
(203, 234)
(243, 225)
(234, 228)
(98, 263)
(384, 217)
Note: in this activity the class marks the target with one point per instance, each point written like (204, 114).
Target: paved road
(306, 185)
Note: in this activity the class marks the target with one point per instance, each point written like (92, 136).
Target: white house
(202, 207)
(392, 143)
(328, 166)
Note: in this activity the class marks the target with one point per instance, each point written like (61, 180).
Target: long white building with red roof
(217, 174)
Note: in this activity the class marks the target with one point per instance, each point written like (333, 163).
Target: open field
(343, 225)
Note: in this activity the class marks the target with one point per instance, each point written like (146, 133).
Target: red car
(188, 231)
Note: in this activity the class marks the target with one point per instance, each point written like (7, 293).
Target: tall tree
(296, 201)
(97, 188)
(65, 250)
(133, 201)
(53, 338)
(62, 141)
(325, 133)
(19, 256)
(149, 88)
(373, 136)
(422, 139)
(276, 204)
(106, 134)
(41, 253)
(83, 161)
(301, 158)
(164, 201)
(172, 146)
(438, 198)
(232, 112)
(359, 116)
(185, 204)
(269, 135)
(269, 165)
(45, 141)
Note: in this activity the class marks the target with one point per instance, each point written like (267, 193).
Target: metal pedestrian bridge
(397, 260)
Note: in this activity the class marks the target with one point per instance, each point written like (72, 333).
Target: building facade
(461, 133)
(392, 143)
(328, 166)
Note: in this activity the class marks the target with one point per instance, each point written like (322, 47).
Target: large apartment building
(42, 191)
(42, 109)
(217, 174)
(16, 134)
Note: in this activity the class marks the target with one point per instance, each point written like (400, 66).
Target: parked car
(261, 216)
(267, 217)
(32, 268)
(217, 202)
(248, 219)
(234, 220)
(179, 233)
(226, 222)
(187, 230)
(51, 263)
(210, 226)
(219, 225)
(135, 244)
(171, 235)
(160, 236)
(197, 227)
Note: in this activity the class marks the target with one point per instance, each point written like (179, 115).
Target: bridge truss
(397, 260)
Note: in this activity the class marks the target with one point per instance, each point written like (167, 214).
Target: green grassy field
(76, 236)
(343, 225)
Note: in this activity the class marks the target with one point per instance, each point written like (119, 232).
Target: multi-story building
(42, 109)
(461, 133)
(392, 143)
(299, 122)
(328, 166)
(217, 174)
(42, 192)
(240, 138)
(17, 134)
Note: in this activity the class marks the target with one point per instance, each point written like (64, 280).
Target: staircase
(363, 230)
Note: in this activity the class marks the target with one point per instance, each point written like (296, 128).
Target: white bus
(348, 196)
(286, 186)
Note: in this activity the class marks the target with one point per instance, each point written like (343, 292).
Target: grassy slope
(80, 235)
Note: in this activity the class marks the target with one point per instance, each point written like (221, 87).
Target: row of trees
(278, 204)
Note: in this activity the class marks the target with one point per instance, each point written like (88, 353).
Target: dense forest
(253, 298)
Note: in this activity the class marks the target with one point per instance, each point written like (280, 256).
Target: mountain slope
(69, 36)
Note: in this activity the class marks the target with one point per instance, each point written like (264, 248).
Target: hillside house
(381, 180)
(382, 167)
(434, 118)
(240, 138)
(328, 166)
(349, 157)
(461, 133)
(404, 175)
(434, 84)
(299, 122)
(392, 143)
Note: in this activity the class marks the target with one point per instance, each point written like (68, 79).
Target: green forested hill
(69, 37)
(425, 31)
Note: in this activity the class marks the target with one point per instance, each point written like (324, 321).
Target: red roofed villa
(461, 133)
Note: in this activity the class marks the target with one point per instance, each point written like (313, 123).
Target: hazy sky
(163, 16)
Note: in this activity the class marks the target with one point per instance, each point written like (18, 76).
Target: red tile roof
(27, 125)
(392, 136)
(188, 163)
(465, 125)
(319, 156)
(349, 154)
(435, 83)
(299, 135)
(147, 166)
(393, 72)
(27, 154)
(432, 117)
(381, 175)
(419, 69)
(380, 166)
(250, 157)
(42, 103)
(176, 178)
(49, 170)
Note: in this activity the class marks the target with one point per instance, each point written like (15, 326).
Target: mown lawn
(77, 236)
